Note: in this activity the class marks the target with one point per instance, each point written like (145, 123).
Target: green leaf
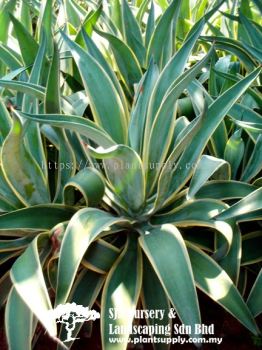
(85, 226)
(6, 8)
(25, 16)
(15, 244)
(27, 44)
(67, 164)
(164, 123)
(21, 171)
(52, 96)
(36, 74)
(185, 137)
(254, 299)
(85, 292)
(140, 107)
(53, 105)
(200, 213)
(253, 33)
(205, 168)
(254, 164)
(100, 256)
(150, 26)
(98, 56)
(153, 298)
(7, 193)
(125, 172)
(27, 88)
(157, 42)
(108, 112)
(121, 292)
(215, 282)
(132, 33)
(170, 263)
(232, 260)
(74, 16)
(191, 210)
(248, 204)
(33, 139)
(251, 248)
(90, 183)
(81, 125)
(39, 217)
(45, 21)
(6, 286)
(126, 61)
(5, 121)
(7, 57)
(88, 25)
(18, 322)
(28, 279)
(5, 206)
(234, 151)
(115, 14)
(250, 91)
(224, 190)
(214, 116)
(234, 47)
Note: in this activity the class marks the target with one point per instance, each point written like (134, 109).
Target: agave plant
(145, 202)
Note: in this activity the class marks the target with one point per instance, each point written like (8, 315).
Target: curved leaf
(21, 170)
(90, 184)
(121, 293)
(214, 281)
(224, 190)
(81, 125)
(39, 217)
(124, 170)
(85, 226)
(18, 322)
(170, 263)
(206, 167)
(28, 279)
(250, 203)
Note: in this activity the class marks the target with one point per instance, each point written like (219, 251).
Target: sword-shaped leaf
(248, 204)
(104, 99)
(28, 279)
(215, 282)
(121, 293)
(254, 301)
(21, 170)
(18, 322)
(166, 251)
